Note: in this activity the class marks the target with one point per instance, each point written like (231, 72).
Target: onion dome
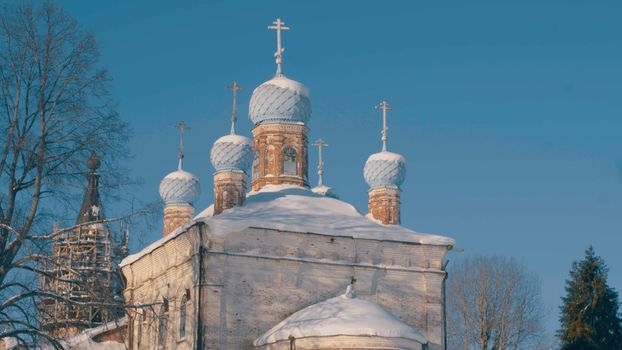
(363, 322)
(180, 187)
(280, 100)
(385, 169)
(232, 152)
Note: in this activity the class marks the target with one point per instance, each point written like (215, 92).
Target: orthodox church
(275, 264)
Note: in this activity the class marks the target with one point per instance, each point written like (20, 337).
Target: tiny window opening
(290, 163)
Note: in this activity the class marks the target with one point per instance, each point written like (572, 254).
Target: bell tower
(280, 109)
(81, 281)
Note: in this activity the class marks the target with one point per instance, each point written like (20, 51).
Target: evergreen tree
(589, 314)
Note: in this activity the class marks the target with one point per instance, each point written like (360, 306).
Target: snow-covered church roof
(81, 341)
(343, 315)
(298, 209)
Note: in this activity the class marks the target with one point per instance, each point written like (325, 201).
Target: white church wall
(266, 275)
(255, 278)
(167, 272)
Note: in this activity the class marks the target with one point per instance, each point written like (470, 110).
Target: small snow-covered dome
(385, 169)
(363, 323)
(280, 100)
(180, 187)
(232, 152)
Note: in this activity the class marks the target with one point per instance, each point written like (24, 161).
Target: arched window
(183, 314)
(255, 165)
(163, 324)
(234, 197)
(290, 163)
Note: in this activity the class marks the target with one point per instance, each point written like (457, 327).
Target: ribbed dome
(180, 187)
(385, 169)
(280, 100)
(232, 152)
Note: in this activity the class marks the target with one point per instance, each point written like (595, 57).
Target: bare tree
(55, 109)
(494, 303)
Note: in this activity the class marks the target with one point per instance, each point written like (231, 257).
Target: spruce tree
(589, 314)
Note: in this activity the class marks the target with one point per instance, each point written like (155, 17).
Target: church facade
(285, 266)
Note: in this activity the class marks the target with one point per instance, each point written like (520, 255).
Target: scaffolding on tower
(82, 277)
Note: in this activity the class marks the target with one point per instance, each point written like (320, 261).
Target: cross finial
(278, 26)
(234, 87)
(182, 126)
(384, 105)
(320, 166)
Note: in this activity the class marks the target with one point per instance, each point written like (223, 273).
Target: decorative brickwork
(176, 215)
(229, 190)
(384, 205)
(280, 155)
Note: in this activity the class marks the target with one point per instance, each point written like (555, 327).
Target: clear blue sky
(509, 113)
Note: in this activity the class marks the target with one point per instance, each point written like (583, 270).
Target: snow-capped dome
(180, 187)
(232, 152)
(345, 315)
(385, 169)
(280, 100)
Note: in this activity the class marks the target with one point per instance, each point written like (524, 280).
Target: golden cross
(320, 166)
(384, 105)
(182, 128)
(278, 26)
(234, 87)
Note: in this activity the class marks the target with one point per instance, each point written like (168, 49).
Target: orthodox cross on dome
(182, 128)
(278, 26)
(320, 166)
(234, 88)
(384, 105)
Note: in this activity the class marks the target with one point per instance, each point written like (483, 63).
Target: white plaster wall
(255, 278)
(266, 275)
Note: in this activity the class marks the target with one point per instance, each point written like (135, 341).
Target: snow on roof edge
(205, 217)
(155, 245)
